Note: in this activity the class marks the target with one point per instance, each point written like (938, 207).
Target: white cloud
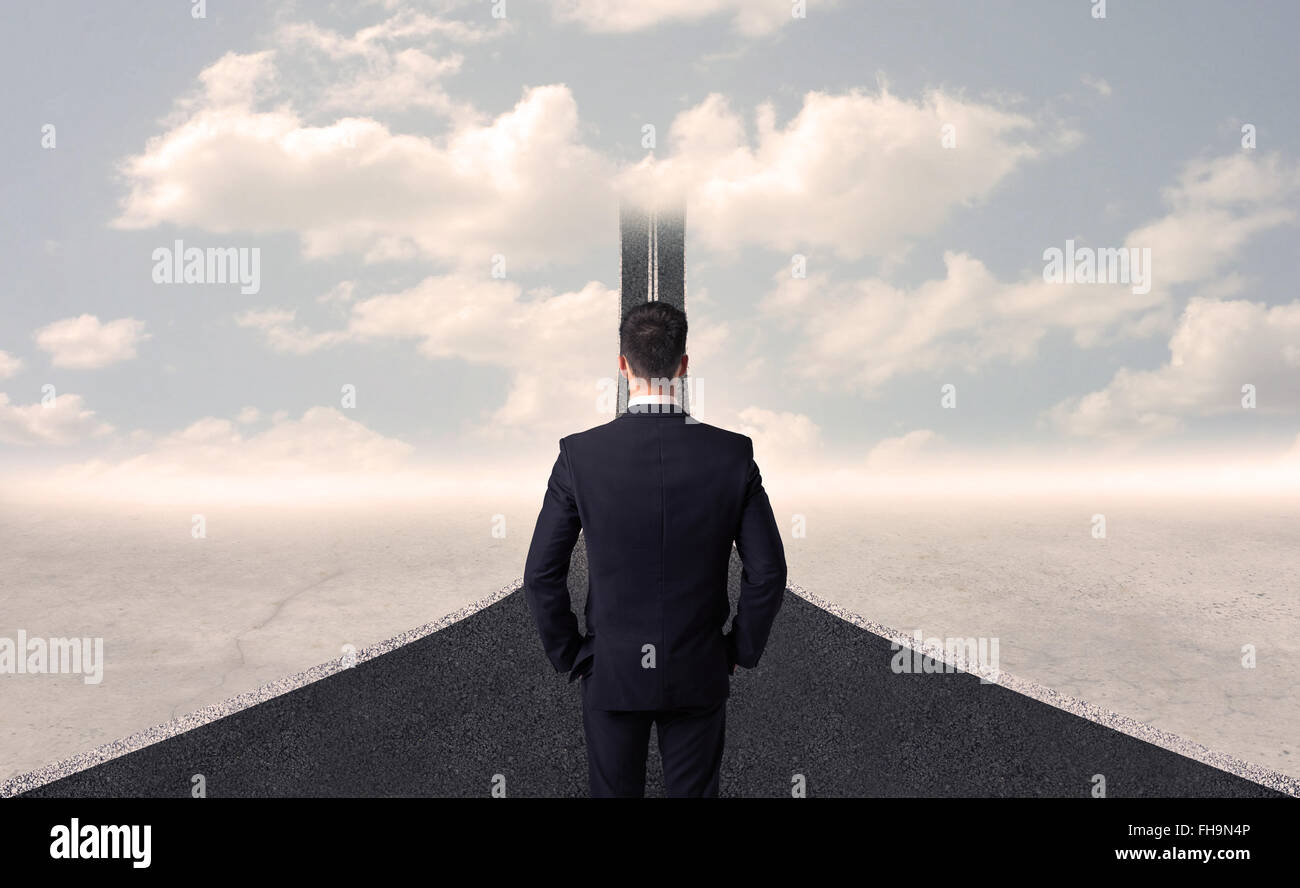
(1217, 348)
(65, 421)
(480, 188)
(85, 343)
(323, 455)
(239, 155)
(750, 17)
(343, 291)
(783, 441)
(860, 334)
(323, 441)
(372, 72)
(855, 173)
(277, 326)
(267, 144)
(556, 346)
(9, 365)
(1216, 206)
(1097, 83)
(558, 349)
(894, 452)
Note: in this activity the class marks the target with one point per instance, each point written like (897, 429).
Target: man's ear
(622, 367)
(681, 369)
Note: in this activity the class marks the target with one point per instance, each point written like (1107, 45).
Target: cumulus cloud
(557, 347)
(397, 64)
(1216, 206)
(856, 173)
(1219, 345)
(860, 334)
(1217, 348)
(61, 420)
(296, 139)
(282, 334)
(324, 440)
(240, 155)
(481, 188)
(9, 365)
(324, 454)
(85, 342)
(782, 440)
(750, 17)
(559, 351)
(895, 452)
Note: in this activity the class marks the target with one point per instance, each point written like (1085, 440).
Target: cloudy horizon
(412, 208)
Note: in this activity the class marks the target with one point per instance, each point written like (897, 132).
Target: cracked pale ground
(1149, 622)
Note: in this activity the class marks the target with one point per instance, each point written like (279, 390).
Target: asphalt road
(444, 714)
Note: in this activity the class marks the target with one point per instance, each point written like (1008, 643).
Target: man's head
(652, 343)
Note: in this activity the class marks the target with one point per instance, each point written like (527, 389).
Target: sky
(428, 192)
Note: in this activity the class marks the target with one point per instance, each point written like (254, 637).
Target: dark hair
(652, 336)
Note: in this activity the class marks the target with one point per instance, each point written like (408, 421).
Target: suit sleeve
(546, 571)
(762, 575)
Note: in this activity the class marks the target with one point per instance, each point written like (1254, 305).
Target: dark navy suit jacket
(660, 498)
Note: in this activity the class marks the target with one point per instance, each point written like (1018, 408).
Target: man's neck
(663, 401)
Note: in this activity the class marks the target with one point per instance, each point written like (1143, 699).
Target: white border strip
(188, 722)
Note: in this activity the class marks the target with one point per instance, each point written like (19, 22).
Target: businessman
(661, 498)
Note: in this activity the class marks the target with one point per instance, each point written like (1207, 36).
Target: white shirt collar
(652, 399)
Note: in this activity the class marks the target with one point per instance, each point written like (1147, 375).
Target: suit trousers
(618, 743)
